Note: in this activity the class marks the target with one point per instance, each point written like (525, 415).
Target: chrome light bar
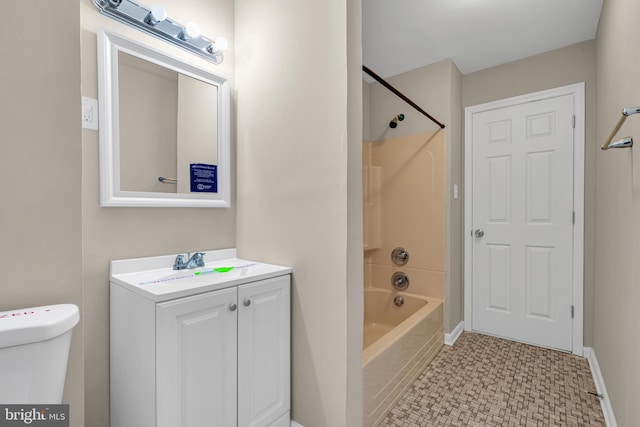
(155, 21)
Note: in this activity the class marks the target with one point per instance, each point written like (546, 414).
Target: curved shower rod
(386, 84)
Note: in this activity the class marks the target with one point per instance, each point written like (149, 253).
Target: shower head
(394, 122)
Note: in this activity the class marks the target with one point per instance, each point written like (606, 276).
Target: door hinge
(573, 121)
(573, 217)
(572, 311)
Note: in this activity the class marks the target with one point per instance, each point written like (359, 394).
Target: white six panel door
(523, 222)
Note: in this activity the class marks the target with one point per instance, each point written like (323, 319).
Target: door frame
(578, 92)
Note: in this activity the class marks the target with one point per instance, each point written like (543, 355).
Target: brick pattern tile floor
(485, 381)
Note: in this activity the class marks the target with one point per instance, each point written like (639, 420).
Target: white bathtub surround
(451, 337)
(399, 343)
(605, 403)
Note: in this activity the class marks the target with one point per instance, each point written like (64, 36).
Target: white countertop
(155, 279)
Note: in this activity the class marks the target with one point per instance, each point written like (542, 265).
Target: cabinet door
(263, 351)
(197, 361)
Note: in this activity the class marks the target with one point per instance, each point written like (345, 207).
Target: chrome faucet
(195, 260)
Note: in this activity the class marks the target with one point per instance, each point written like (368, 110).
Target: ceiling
(401, 35)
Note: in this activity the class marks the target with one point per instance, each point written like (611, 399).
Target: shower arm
(386, 84)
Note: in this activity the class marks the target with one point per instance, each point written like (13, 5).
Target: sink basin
(155, 278)
(151, 277)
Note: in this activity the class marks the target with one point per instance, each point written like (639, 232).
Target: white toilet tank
(34, 348)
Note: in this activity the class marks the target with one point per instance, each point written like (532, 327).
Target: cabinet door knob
(247, 302)
(233, 307)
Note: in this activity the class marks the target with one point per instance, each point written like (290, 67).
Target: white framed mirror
(164, 129)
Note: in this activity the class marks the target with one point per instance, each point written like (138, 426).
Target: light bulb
(216, 49)
(220, 43)
(157, 14)
(191, 31)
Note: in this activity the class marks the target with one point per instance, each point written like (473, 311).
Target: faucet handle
(199, 258)
(195, 260)
(178, 264)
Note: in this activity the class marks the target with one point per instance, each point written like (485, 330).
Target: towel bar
(625, 142)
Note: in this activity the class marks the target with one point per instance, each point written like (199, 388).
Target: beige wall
(557, 68)
(116, 233)
(40, 168)
(617, 211)
(295, 94)
(454, 280)
(437, 89)
(355, 270)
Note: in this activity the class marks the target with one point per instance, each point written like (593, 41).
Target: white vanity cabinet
(207, 342)
(218, 356)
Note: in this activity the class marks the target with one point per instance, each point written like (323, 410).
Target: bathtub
(398, 343)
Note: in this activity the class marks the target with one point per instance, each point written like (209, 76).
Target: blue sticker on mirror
(204, 178)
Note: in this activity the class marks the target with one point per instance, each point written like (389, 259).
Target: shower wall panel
(412, 211)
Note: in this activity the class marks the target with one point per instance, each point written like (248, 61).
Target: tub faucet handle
(399, 256)
(400, 281)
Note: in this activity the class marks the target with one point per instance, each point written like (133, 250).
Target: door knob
(479, 233)
(233, 307)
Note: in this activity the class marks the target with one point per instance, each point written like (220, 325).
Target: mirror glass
(164, 130)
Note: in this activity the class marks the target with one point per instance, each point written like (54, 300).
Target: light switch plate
(89, 113)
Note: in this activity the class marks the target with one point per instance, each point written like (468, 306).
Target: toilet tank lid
(29, 325)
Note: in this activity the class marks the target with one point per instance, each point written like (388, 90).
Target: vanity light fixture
(155, 21)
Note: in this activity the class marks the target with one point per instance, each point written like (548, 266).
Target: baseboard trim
(295, 424)
(451, 338)
(605, 403)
